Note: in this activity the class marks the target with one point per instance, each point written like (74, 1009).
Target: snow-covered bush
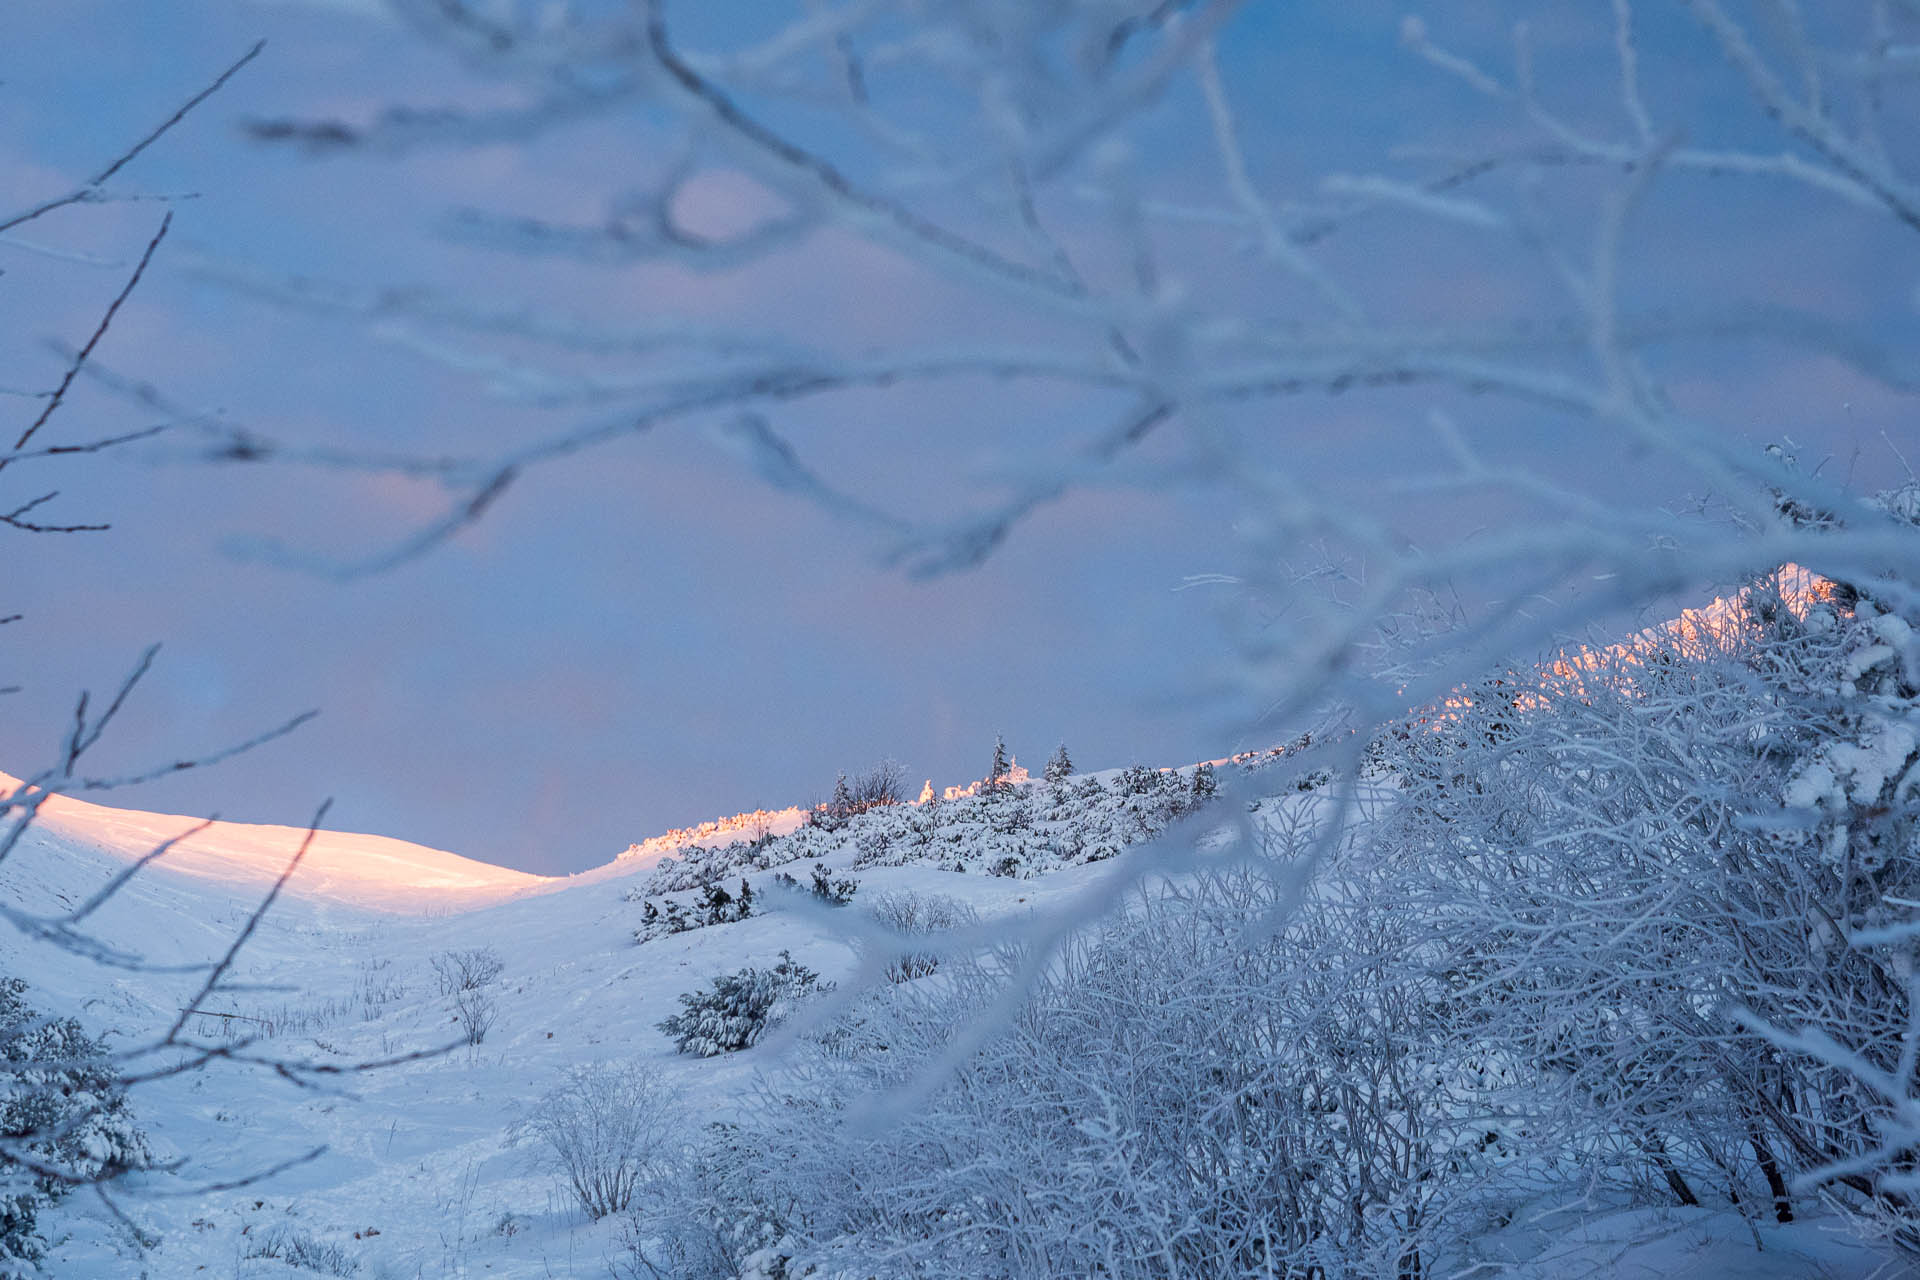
(610, 1130)
(739, 1008)
(714, 906)
(1170, 1100)
(822, 886)
(64, 1119)
(914, 916)
(717, 906)
(655, 923)
(1639, 860)
(302, 1251)
(698, 866)
(713, 1223)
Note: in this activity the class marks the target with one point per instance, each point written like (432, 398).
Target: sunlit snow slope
(358, 870)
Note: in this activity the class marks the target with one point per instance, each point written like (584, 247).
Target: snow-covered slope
(419, 1176)
(339, 867)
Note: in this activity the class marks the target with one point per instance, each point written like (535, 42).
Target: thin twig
(99, 332)
(225, 962)
(90, 190)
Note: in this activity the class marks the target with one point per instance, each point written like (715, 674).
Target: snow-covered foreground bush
(1652, 873)
(1177, 1096)
(609, 1130)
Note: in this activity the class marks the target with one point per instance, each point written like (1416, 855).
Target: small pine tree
(1059, 766)
(1204, 785)
(841, 807)
(716, 905)
(996, 778)
(835, 893)
(650, 922)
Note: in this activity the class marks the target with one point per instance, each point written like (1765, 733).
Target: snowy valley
(884, 938)
(419, 1176)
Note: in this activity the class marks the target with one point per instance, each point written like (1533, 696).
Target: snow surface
(418, 1178)
(339, 867)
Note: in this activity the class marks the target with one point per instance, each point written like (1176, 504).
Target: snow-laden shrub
(64, 1120)
(713, 1222)
(714, 906)
(1181, 1093)
(823, 887)
(1032, 829)
(717, 906)
(610, 1130)
(914, 916)
(739, 1008)
(1658, 873)
(301, 1251)
(696, 866)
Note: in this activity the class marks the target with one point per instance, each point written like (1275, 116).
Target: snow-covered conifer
(841, 806)
(1204, 784)
(996, 778)
(1058, 767)
(738, 1008)
(64, 1120)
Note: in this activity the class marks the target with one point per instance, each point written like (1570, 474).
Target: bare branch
(99, 332)
(225, 962)
(90, 191)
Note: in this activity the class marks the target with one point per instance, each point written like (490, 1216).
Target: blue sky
(646, 636)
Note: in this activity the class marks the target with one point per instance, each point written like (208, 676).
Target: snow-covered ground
(418, 1177)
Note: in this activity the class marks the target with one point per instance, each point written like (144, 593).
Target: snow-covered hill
(418, 1174)
(417, 1178)
(339, 867)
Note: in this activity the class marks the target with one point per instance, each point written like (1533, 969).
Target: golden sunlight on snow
(1696, 632)
(360, 870)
